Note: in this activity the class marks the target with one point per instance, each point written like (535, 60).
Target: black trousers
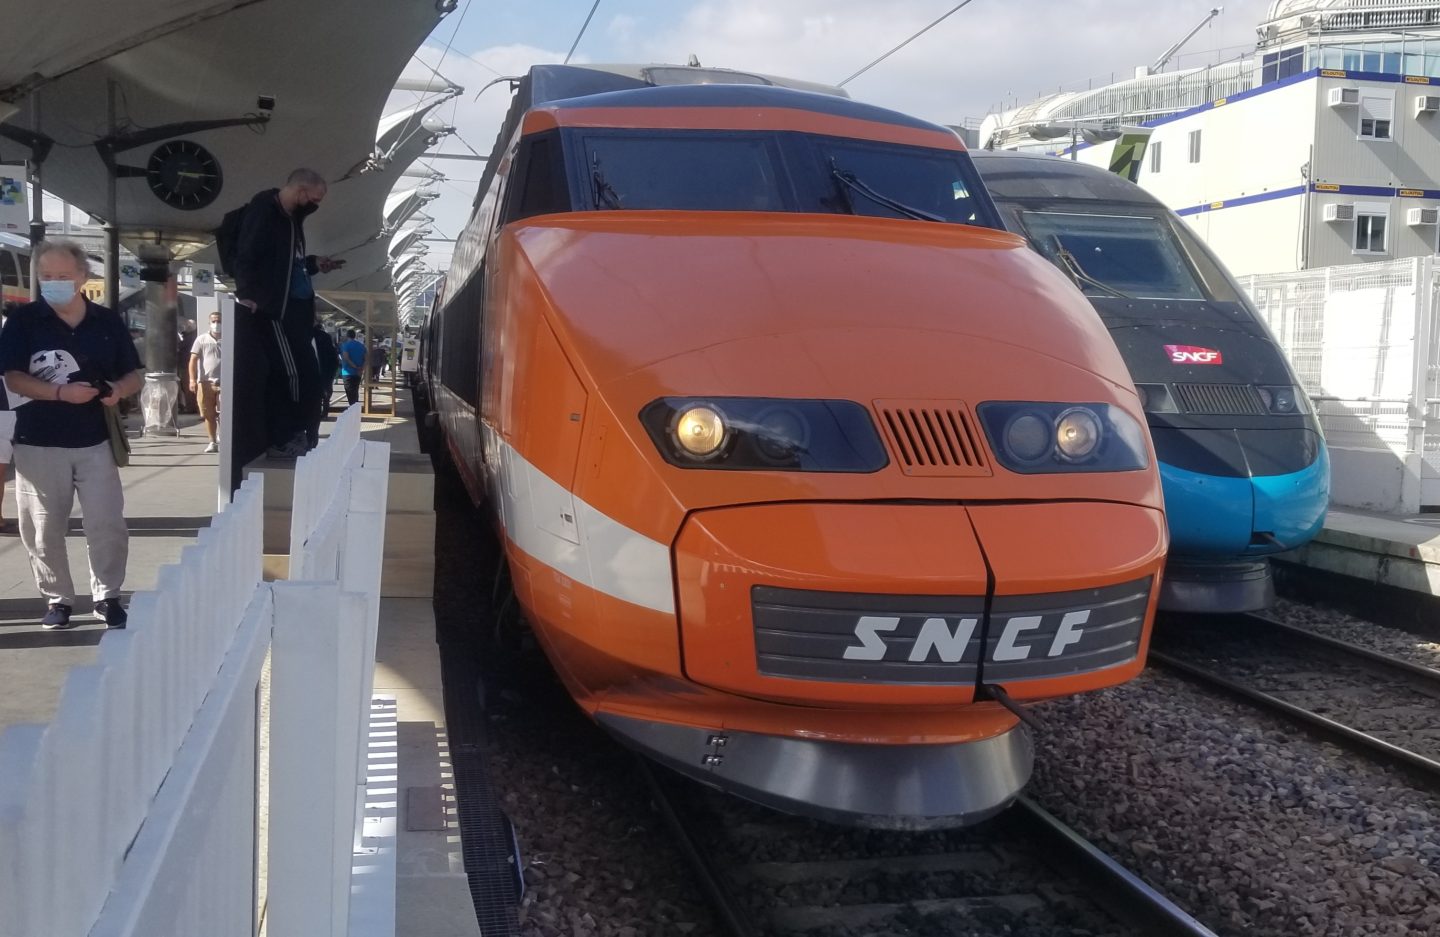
(322, 406)
(352, 388)
(292, 387)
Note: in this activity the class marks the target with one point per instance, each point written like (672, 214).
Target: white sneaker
(212, 447)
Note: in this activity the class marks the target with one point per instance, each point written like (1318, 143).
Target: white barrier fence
(1365, 342)
(134, 812)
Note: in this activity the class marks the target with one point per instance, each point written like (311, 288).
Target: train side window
(24, 260)
(9, 273)
(537, 184)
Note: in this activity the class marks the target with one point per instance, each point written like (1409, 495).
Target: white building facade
(1321, 149)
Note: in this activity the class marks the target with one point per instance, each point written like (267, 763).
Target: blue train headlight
(1284, 399)
(1036, 438)
(758, 433)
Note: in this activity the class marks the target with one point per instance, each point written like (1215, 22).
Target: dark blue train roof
(1028, 176)
(747, 95)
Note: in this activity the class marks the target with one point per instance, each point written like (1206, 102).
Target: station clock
(184, 175)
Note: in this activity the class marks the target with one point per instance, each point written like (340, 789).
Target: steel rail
(1338, 732)
(1420, 671)
(712, 881)
(1120, 892)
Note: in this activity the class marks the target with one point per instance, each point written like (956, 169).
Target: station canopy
(327, 65)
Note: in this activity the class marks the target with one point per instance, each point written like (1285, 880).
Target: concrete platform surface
(170, 494)
(1396, 551)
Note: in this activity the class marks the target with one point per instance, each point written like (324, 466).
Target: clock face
(184, 175)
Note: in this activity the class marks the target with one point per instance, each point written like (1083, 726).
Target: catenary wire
(953, 10)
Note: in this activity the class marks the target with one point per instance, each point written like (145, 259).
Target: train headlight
(759, 433)
(1077, 434)
(700, 431)
(1156, 398)
(1284, 399)
(1038, 437)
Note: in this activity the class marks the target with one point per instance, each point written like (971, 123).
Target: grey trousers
(46, 481)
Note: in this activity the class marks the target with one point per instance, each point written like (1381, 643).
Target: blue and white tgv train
(1241, 455)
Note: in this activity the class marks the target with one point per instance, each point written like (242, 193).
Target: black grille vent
(1227, 399)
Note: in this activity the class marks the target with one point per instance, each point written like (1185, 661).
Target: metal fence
(134, 812)
(1365, 342)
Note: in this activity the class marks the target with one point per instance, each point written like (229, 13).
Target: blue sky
(992, 52)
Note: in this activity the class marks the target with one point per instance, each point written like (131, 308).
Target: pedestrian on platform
(352, 366)
(274, 360)
(73, 359)
(7, 439)
(329, 361)
(205, 379)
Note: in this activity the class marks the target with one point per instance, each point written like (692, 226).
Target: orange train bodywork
(646, 582)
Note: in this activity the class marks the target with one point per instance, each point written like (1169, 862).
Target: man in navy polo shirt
(72, 358)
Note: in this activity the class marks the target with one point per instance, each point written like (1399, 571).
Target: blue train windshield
(686, 170)
(1131, 255)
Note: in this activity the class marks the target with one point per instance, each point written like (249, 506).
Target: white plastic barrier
(156, 739)
(134, 812)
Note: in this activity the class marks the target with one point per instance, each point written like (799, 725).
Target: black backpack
(227, 238)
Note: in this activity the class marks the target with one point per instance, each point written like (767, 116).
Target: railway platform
(1390, 550)
(170, 489)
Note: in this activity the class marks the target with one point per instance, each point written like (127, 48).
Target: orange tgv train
(808, 475)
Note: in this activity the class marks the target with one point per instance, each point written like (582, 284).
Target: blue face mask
(57, 292)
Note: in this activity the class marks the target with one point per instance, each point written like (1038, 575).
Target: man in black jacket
(275, 361)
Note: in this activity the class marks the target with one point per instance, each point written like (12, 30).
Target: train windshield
(777, 172)
(1131, 256)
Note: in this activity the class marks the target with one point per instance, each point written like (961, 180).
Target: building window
(1377, 113)
(1154, 157)
(1370, 231)
(1194, 146)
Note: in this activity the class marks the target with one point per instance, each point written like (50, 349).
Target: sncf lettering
(872, 646)
(935, 634)
(1193, 354)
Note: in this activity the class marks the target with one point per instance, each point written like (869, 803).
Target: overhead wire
(953, 10)
(435, 70)
(584, 26)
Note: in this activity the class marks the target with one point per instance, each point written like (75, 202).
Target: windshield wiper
(849, 182)
(604, 193)
(1072, 266)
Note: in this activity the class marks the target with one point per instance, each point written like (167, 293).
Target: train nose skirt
(902, 787)
(946, 639)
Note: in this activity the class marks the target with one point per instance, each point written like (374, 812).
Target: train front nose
(879, 605)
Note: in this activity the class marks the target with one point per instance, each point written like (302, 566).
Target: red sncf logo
(1192, 354)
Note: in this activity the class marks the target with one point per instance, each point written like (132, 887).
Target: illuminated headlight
(1036, 438)
(1284, 399)
(761, 433)
(700, 431)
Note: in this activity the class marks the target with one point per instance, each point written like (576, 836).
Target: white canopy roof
(44, 41)
(330, 86)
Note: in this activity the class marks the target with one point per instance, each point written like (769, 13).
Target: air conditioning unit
(1419, 216)
(1427, 104)
(1344, 97)
(1339, 213)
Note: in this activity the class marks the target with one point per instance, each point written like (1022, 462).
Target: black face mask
(306, 210)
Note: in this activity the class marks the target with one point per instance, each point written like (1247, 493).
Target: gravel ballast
(1369, 634)
(1241, 819)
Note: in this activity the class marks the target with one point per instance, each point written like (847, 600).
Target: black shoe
(110, 612)
(57, 618)
(289, 452)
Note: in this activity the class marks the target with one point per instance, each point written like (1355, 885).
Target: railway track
(769, 875)
(1379, 706)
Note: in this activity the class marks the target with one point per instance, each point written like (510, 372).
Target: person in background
(273, 285)
(72, 358)
(329, 361)
(187, 402)
(204, 383)
(352, 364)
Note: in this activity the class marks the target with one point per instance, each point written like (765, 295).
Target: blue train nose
(1225, 519)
